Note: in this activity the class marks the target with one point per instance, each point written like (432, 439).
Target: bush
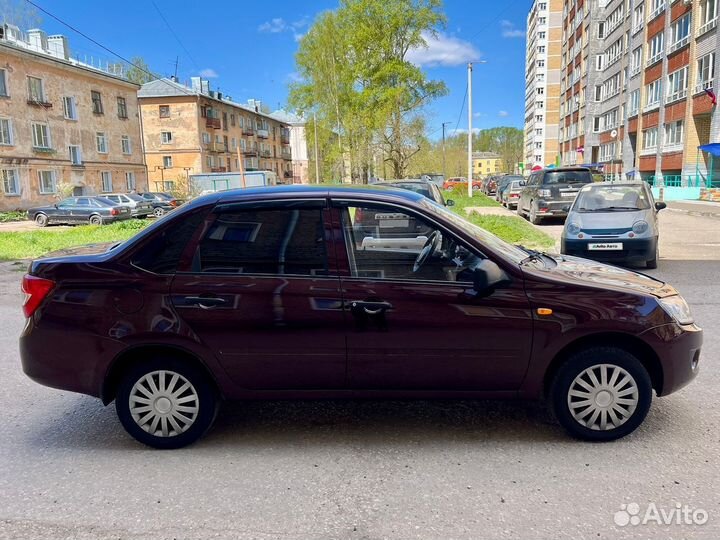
(14, 215)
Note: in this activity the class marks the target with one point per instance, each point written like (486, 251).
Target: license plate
(568, 193)
(615, 246)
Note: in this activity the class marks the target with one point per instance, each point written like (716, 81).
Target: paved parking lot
(365, 470)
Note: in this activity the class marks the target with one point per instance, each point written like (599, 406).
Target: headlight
(573, 228)
(640, 227)
(677, 308)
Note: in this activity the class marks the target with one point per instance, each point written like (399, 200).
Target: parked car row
(105, 209)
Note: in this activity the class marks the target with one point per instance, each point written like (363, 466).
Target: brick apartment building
(65, 126)
(193, 129)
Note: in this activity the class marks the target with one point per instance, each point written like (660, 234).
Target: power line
(461, 109)
(175, 35)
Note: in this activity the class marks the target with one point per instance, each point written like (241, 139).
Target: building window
(130, 182)
(205, 138)
(122, 107)
(650, 138)
(47, 182)
(677, 84)
(636, 61)
(656, 8)
(634, 102)
(705, 72)
(35, 90)
(167, 162)
(638, 18)
(41, 136)
(674, 133)
(10, 181)
(101, 142)
(97, 106)
(166, 137)
(75, 154)
(652, 94)
(125, 145)
(6, 134)
(708, 15)
(601, 30)
(164, 111)
(106, 181)
(680, 33)
(3, 83)
(656, 47)
(599, 62)
(70, 108)
(232, 120)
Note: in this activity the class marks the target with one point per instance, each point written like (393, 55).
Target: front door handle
(369, 307)
(205, 302)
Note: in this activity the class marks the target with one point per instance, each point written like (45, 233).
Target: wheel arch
(629, 343)
(136, 355)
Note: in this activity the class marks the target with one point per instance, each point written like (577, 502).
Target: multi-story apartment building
(66, 127)
(298, 145)
(639, 106)
(542, 82)
(193, 129)
(486, 163)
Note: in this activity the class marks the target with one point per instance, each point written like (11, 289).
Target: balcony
(676, 96)
(250, 151)
(285, 138)
(216, 147)
(39, 102)
(266, 153)
(213, 123)
(286, 154)
(710, 25)
(218, 169)
(248, 130)
(263, 133)
(679, 44)
(702, 86)
(658, 11)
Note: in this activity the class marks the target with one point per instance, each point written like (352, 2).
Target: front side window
(47, 181)
(106, 180)
(6, 131)
(705, 72)
(677, 84)
(652, 93)
(41, 136)
(166, 137)
(125, 145)
(10, 181)
(680, 32)
(97, 105)
(674, 133)
(288, 241)
(656, 47)
(650, 138)
(3, 83)
(75, 154)
(101, 142)
(35, 90)
(130, 181)
(167, 162)
(70, 108)
(122, 107)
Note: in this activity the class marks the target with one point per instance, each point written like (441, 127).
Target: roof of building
(166, 87)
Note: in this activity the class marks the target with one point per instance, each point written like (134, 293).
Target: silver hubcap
(603, 397)
(164, 403)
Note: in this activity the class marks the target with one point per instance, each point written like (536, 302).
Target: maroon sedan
(276, 293)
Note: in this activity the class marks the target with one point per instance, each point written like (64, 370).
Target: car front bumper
(633, 249)
(678, 348)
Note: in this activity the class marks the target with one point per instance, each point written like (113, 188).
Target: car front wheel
(96, 220)
(601, 394)
(159, 212)
(41, 220)
(166, 403)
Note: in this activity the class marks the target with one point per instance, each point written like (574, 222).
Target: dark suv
(551, 192)
(277, 293)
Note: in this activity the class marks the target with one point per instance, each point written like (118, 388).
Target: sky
(246, 49)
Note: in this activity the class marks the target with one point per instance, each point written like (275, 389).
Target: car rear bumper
(678, 348)
(633, 249)
(136, 212)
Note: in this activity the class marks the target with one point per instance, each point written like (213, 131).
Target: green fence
(677, 180)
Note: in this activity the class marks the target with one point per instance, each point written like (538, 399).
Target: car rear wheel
(534, 218)
(96, 220)
(601, 394)
(166, 403)
(159, 212)
(41, 220)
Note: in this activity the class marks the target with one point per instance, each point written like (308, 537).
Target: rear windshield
(104, 202)
(134, 197)
(417, 188)
(567, 177)
(609, 198)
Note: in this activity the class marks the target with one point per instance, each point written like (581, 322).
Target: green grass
(462, 200)
(31, 244)
(513, 229)
(15, 215)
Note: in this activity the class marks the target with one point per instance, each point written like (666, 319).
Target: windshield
(104, 202)
(513, 253)
(567, 177)
(134, 197)
(417, 188)
(612, 198)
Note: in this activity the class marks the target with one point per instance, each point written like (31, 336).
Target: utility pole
(317, 161)
(470, 113)
(443, 149)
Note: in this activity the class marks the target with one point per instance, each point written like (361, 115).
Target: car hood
(606, 220)
(575, 270)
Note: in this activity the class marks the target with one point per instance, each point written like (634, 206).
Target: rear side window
(162, 253)
(288, 241)
(567, 177)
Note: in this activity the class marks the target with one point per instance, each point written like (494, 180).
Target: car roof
(561, 169)
(638, 183)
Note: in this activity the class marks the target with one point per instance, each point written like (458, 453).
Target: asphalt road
(365, 470)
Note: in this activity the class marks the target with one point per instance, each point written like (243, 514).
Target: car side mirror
(55, 205)
(660, 206)
(449, 202)
(523, 183)
(488, 276)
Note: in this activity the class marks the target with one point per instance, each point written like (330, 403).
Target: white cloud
(273, 26)
(509, 30)
(293, 77)
(503, 114)
(479, 115)
(443, 50)
(461, 131)
(208, 73)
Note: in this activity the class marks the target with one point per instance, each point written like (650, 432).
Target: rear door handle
(369, 307)
(205, 302)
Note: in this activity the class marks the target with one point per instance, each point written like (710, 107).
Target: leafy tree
(139, 72)
(19, 13)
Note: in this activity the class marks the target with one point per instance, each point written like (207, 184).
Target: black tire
(533, 216)
(652, 264)
(202, 395)
(41, 220)
(566, 380)
(142, 217)
(96, 220)
(519, 211)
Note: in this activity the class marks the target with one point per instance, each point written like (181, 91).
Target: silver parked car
(510, 194)
(614, 222)
(139, 207)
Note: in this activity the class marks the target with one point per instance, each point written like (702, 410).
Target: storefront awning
(712, 148)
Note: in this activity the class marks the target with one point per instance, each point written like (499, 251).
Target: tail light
(36, 290)
(173, 203)
(114, 212)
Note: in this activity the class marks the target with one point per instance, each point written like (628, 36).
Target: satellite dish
(613, 133)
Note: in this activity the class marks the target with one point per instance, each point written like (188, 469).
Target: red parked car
(461, 181)
(275, 293)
